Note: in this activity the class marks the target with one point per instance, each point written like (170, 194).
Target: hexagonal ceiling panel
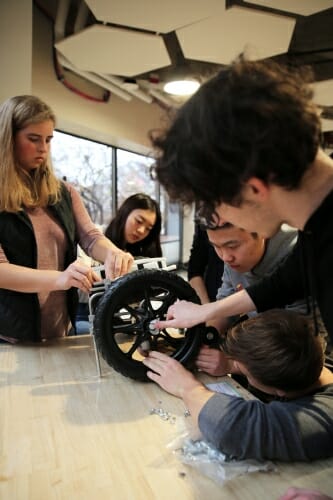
(220, 39)
(323, 92)
(304, 7)
(102, 49)
(152, 15)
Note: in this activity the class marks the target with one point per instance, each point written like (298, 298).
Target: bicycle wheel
(125, 315)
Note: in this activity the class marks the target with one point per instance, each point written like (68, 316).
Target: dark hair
(251, 119)
(150, 246)
(279, 348)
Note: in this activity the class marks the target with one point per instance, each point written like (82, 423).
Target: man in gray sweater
(286, 360)
(248, 257)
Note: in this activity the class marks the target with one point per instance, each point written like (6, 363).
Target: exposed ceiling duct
(133, 48)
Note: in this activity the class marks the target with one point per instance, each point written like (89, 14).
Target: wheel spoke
(169, 339)
(134, 312)
(167, 301)
(134, 347)
(122, 328)
(147, 301)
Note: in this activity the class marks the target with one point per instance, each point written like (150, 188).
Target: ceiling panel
(150, 42)
(154, 15)
(303, 7)
(221, 38)
(323, 92)
(326, 125)
(102, 49)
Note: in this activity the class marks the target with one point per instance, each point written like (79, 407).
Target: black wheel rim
(126, 324)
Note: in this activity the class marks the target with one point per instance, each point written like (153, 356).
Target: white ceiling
(128, 53)
(154, 15)
(233, 30)
(150, 40)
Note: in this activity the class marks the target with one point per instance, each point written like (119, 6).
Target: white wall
(188, 230)
(15, 47)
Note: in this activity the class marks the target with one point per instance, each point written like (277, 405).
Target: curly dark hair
(252, 119)
(279, 348)
(150, 246)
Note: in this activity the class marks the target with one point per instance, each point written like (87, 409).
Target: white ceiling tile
(154, 15)
(221, 38)
(303, 7)
(323, 92)
(326, 125)
(102, 49)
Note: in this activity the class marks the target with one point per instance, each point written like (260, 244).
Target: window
(88, 165)
(133, 175)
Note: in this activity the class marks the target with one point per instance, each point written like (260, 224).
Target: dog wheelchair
(123, 313)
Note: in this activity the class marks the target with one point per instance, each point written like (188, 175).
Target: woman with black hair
(135, 229)
(136, 226)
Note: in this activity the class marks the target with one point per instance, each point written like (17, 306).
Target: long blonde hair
(19, 189)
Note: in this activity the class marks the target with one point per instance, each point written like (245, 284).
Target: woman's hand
(77, 275)
(117, 263)
(169, 374)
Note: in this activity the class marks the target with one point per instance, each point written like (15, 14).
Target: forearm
(237, 303)
(195, 399)
(27, 280)
(116, 262)
(101, 247)
(199, 286)
(221, 324)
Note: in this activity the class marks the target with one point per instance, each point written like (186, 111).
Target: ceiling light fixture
(181, 87)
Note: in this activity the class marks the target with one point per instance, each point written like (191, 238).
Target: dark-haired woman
(136, 227)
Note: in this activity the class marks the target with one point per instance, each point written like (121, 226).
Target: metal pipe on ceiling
(92, 77)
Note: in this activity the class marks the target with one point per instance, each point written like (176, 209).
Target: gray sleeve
(287, 431)
(227, 287)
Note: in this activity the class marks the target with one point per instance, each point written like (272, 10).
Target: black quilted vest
(20, 312)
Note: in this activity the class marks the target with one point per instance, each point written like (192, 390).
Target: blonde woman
(41, 222)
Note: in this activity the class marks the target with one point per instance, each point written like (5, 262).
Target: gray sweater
(295, 430)
(277, 248)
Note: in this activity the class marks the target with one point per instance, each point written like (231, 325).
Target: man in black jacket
(246, 147)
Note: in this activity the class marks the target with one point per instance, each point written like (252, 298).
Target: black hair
(279, 348)
(150, 246)
(254, 118)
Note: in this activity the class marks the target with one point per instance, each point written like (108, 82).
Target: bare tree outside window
(88, 166)
(133, 175)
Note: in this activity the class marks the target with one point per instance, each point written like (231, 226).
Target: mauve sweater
(51, 245)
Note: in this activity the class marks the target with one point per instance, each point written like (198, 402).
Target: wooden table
(68, 434)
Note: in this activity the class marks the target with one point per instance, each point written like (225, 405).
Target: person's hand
(212, 361)
(78, 275)
(303, 494)
(183, 314)
(169, 374)
(117, 263)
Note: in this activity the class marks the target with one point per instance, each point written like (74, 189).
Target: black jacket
(20, 312)
(205, 262)
(306, 272)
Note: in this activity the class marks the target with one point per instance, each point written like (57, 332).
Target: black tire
(124, 314)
